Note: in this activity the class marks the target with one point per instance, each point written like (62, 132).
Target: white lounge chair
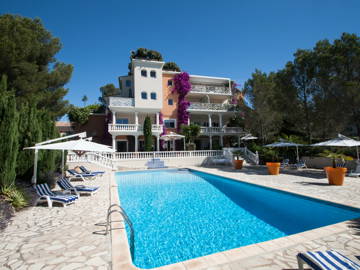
(301, 165)
(155, 163)
(46, 195)
(355, 173)
(325, 260)
(85, 170)
(81, 176)
(65, 184)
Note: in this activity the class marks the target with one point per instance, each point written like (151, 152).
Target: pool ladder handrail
(127, 221)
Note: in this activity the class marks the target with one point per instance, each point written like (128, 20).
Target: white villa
(148, 92)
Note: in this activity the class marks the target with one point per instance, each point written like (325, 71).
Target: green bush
(15, 196)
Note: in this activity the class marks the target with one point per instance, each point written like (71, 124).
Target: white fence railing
(96, 158)
(211, 89)
(209, 130)
(133, 128)
(164, 154)
(121, 102)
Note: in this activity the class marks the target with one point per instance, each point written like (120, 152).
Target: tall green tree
(171, 66)
(148, 134)
(261, 92)
(107, 91)
(84, 99)
(27, 57)
(9, 118)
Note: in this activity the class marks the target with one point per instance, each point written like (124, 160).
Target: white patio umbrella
(248, 137)
(283, 143)
(78, 146)
(341, 141)
(172, 136)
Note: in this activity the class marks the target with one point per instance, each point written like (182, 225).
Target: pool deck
(67, 238)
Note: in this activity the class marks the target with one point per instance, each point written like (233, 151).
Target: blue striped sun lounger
(100, 173)
(65, 184)
(45, 194)
(326, 260)
(81, 176)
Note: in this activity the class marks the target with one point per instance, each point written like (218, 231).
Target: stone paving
(64, 238)
(59, 238)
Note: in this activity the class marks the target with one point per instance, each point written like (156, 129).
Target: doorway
(122, 146)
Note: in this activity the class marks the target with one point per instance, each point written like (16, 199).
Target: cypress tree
(9, 119)
(30, 130)
(147, 134)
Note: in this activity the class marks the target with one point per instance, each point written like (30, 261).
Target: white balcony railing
(220, 130)
(164, 154)
(210, 89)
(121, 102)
(210, 106)
(133, 128)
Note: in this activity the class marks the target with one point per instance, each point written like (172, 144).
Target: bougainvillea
(182, 87)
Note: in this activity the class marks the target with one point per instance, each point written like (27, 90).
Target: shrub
(15, 196)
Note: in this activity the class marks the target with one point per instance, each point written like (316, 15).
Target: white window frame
(172, 101)
(141, 73)
(152, 94)
(142, 95)
(171, 119)
(153, 72)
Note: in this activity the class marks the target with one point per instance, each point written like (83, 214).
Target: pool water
(179, 215)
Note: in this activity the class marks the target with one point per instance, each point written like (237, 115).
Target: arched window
(144, 73)
(143, 95)
(153, 74)
(153, 95)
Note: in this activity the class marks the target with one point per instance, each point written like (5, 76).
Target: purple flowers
(182, 86)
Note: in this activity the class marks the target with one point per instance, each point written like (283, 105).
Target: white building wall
(147, 84)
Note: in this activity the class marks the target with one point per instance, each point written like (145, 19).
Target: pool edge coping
(122, 260)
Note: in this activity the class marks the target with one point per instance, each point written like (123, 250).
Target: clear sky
(213, 38)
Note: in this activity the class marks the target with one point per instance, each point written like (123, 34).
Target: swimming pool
(178, 215)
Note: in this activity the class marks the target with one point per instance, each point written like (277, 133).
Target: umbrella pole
(357, 152)
(33, 179)
(62, 163)
(297, 154)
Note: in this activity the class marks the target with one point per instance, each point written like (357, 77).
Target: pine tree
(147, 134)
(9, 119)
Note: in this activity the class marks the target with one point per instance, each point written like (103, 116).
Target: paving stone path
(64, 238)
(59, 238)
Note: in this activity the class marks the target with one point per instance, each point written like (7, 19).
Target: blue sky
(213, 38)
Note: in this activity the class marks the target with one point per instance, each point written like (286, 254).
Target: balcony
(210, 89)
(194, 106)
(220, 130)
(121, 102)
(135, 129)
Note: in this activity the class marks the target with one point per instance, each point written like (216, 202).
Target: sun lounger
(321, 260)
(301, 165)
(355, 173)
(81, 176)
(221, 160)
(46, 195)
(285, 163)
(100, 173)
(65, 184)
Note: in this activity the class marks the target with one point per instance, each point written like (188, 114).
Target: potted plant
(238, 160)
(274, 165)
(335, 174)
(191, 132)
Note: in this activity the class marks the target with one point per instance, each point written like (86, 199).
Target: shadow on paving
(354, 225)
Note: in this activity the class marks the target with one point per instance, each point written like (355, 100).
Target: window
(122, 121)
(170, 82)
(170, 123)
(128, 83)
(143, 95)
(153, 95)
(170, 101)
(144, 73)
(153, 74)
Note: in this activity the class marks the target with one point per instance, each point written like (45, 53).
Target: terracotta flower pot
(273, 167)
(238, 164)
(335, 175)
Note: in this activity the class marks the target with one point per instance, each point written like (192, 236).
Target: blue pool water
(179, 215)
